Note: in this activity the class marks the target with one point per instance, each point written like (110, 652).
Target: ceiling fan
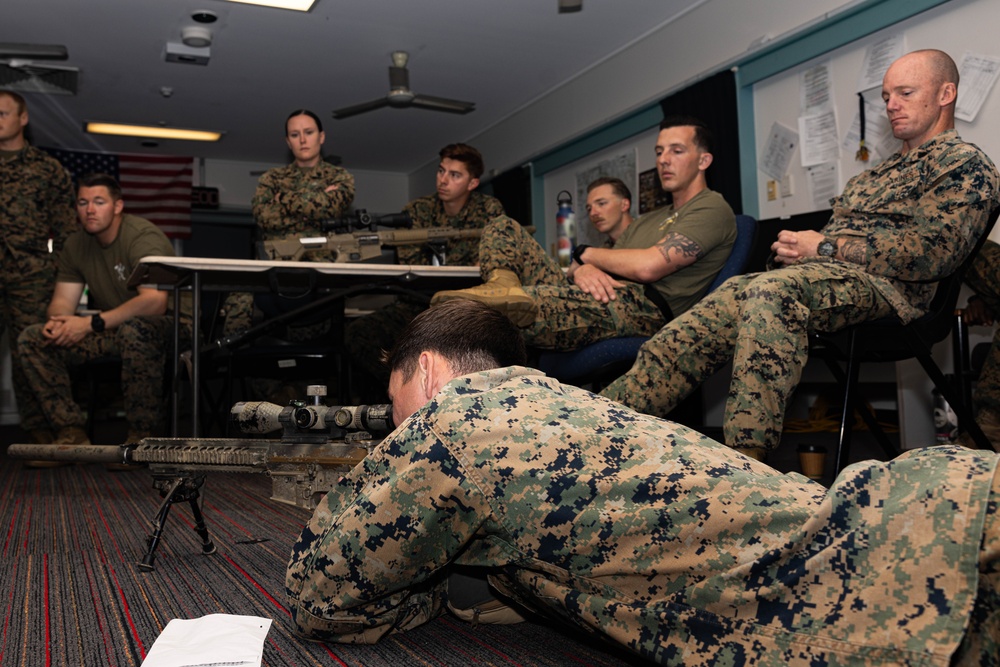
(20, 72)
(400, 96)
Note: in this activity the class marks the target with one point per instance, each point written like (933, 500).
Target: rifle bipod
(175, 490)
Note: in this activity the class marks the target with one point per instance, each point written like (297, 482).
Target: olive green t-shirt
(708, 221)
(106, 270)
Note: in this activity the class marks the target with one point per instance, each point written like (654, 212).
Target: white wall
(700, 42)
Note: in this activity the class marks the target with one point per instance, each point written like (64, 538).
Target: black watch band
(578, 253)
(97, 323)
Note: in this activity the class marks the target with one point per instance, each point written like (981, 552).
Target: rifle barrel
(82, 453)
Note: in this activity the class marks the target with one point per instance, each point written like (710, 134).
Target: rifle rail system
(317, 446)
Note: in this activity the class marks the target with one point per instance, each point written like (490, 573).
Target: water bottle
(565, 228)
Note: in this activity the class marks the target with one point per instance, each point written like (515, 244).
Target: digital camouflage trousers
(143, 343)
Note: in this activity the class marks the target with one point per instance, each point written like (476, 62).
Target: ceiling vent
(188, 55)
(33, 78)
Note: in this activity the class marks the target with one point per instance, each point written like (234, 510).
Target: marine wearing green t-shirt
(131, 323)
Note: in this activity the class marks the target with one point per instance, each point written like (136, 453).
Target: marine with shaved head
(897, 230)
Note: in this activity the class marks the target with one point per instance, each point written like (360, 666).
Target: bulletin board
(780, 103)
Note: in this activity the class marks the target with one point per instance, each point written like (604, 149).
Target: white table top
(217, 273)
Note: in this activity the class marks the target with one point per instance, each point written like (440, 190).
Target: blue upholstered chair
(601, 362)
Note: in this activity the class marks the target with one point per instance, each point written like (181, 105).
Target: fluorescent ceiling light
(297, 5)
(151, 132)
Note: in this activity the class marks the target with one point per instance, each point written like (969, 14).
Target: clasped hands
(66, 330)
(793, 246)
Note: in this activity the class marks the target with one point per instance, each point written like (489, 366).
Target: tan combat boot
(43, 437)
(502, 291)
(68, 435)
(72, 435)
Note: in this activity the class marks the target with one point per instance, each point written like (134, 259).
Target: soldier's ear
(473, 184)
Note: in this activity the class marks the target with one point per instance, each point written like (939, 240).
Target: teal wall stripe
(619, 130)
(831, 34)
(840, 30)
(748, 148)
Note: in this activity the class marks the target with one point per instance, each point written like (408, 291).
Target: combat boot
(72, 435)
(43, 437)
(502, 291)
(68, 435)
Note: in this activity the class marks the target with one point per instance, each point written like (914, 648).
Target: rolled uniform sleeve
(369, 561)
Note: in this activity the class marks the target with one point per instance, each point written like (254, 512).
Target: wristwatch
(826, 248)
(97, 323)
(578, 253)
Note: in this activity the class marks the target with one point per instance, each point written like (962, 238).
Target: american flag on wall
(154, 187)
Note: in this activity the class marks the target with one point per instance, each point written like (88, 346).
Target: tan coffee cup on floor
(812, 460)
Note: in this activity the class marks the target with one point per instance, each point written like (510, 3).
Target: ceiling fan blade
(347, 112)
(442, 104)
(32, 66)
(33, 51)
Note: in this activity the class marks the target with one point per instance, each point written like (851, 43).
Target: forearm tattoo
(682, 244)
(855, 252)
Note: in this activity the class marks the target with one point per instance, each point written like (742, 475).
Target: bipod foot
(174, 490)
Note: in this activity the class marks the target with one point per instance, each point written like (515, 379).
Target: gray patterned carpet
(71, 594)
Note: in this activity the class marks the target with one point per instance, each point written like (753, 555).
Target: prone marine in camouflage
(896, 230)
(293, 201)
(458, 175)
(648, 533)
(984, 279)
(36, 204)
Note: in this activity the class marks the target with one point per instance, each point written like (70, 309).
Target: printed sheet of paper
(878, 57)
(781, 144)
(215, 639)
(823, 180)
(819, 138)
(978, 74)
(816, 89)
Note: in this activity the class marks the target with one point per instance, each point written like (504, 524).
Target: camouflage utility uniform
(367, 336)
(292, 201)
(569, 318)
(920, 214)
(37, 203)
(653, 536)
(984, 279)
(143, 342)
